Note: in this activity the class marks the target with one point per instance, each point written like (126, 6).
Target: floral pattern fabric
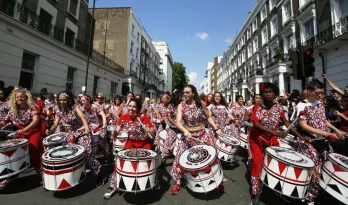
(169, 143)
(4, 109)
(133, 127)
(23, 118)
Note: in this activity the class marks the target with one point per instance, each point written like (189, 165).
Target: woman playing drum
(138, 128)
(162, 115)
(4, 109)
(114, 107)
(238, 113)
(190, 120)
(265, 118)
(71, 121)
(123, 109)
(313, 121)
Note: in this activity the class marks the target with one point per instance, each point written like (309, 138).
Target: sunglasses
(99, 97)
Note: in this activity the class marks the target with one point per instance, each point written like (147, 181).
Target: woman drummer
(114, 106)
(313, 122)
(266, 117)
(138, 127)
(71, 121)
(162, 115)
(24, 115)
(237, 112)
(123, 109)
(4, 109)
(190, 120)
(96, 119)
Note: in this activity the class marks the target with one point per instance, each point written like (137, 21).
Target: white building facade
(166, 64)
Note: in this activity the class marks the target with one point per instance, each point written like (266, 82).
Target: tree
(180, 79)
(202, 96)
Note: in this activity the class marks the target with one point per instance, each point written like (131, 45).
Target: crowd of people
(199, 121)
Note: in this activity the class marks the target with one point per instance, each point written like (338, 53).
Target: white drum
(14, 157)
(95, 141)
(111, 128)
(11, 135)
(136, 170)
(226, 146)
(287, 142)
(54, 140)
(120, 141)
(201, 168)
(163, 137)
(63, 167)
(244, 141)
(334, 177)
(176, 144)
(286, 171)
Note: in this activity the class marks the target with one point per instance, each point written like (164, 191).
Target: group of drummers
(200, 134)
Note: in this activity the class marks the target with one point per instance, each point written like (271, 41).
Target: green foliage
(180, 79)
(202, 96)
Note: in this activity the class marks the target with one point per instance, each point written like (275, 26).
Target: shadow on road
(22, 184)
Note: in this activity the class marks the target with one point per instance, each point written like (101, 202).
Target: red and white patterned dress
(163, 112)
(4, 109)
(191, 116)
(238, 114)
(70, 123)
(172, 131)
(220, 116)
(113, 111)
(314, 114)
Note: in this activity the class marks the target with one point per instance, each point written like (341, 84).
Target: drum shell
(119, 142)
(136, 175)
(14, 159)
(334, 178)
(226, 150)
(163, 137)
(62, 174)
(95, 141)
(49, 145)
(285, 178)
(244, 141)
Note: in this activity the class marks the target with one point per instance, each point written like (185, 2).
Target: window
(113, 90)
(309, 29)
(256, 45)
(137, 54)
(131, 47)
(138, 36)
(133, 27)
(45, 21)
(254, 25)
(303, 2)
(263, 13)
(272, 4)
(249, 32)
(27, 71)
(264, 60)
(95, 85)
(289, 42)
(264, 35)
(69, 37)
(287, 10)
(274, 26)
(250, 50)
(73, 7)
(70, 79)
(343, 7)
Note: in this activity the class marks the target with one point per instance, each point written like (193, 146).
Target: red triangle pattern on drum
(134, 165)
(149, 164)
(122, 141)
(269, 159)
(9, 153)
(64, 185)
(121, 163)
(337, 169)
(297, 171)
(194, 174)
(281, 166)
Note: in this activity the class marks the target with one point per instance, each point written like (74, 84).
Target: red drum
(54, 140)
(201, 167)
(286, 171)
(136, 170)
(120, 141)
(226, 146)
(63, 167)
(334, 177)
(14, 157)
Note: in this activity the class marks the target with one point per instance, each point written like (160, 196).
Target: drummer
(138, 135)
(161, 113)
(237, 112)
(266, 117)
(71, 121)
(190, 120)
(123, 108)
(313, 121)
(25, 116)
(3, 104)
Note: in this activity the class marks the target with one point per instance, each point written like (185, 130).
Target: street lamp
(130, 84)
(89, 45)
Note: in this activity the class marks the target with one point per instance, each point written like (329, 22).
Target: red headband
(166, 95)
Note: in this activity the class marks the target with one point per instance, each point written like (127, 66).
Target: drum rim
(279, 159)
(332, 160)
(63, 159)
(124, 190)
(46, 143)
(192, 169)
(238, 144)
(137, 159)
(26, 142)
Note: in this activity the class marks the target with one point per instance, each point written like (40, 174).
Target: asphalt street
(26, 189)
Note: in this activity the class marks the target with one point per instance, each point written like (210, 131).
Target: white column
(257, 88)
(281, 83)
(243, 93)
(271, 79)
(233, 96)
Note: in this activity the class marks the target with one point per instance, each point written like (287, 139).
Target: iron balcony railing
(28, 17)
(332, 32)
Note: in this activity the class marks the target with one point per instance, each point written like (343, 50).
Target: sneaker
(109, 193)
(3, 183)
(176, 188)
(255, 200)
(310, 202)
(221, 188)
(88, 170)
(101, 180)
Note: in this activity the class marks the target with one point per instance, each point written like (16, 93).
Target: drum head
(137, 154)
(290, 157)
(229, 139)
(62, 153)
(163, 134)
(12, 143)
(111, 128)
(197, 157)
(122, 135)
(340, 160)
(54, 139)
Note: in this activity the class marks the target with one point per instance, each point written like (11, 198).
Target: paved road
(27, 190)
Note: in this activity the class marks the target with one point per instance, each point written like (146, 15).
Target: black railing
(332, 32)
(31, 19)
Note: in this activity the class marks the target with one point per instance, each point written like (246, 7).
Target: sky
(195, 30)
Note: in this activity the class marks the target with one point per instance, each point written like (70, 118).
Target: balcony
(132, 73)
(16, 11)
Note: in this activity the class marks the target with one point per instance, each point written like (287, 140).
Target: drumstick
(297, 118)
(7, 131)
(144, 128)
